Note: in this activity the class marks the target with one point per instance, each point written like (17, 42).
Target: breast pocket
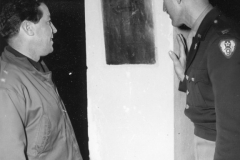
(201, 89)
(42, 137)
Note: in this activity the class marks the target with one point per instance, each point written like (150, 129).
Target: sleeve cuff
(183, 85)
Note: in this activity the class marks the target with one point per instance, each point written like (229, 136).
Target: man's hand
(179, 59)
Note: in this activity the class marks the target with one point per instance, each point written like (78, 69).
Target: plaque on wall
(128, 31)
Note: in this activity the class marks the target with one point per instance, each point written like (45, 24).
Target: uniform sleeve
(224, 72)
(12, 134)
(183, 85)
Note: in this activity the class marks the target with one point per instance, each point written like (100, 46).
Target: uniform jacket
(212, 84)
(34, 124)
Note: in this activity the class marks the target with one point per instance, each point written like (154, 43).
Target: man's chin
(174, 24)
(49, 52)
(51, 49)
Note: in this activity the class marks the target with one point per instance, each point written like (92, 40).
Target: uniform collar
(207, 23)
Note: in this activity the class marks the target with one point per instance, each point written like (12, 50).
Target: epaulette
(221, 25)
(226, 26)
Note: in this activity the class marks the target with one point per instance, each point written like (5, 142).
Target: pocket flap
(201, 76)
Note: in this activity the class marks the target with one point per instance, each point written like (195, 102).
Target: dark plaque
(128, 31)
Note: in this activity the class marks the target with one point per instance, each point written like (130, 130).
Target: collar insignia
(228, 47)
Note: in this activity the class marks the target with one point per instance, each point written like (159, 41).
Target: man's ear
(27, 27)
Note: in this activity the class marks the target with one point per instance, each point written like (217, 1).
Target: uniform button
(193, 79)
(215, 21)
(187, 77)
(187, 106)
(187, 92)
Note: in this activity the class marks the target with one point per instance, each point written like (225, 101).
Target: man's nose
(54, 29)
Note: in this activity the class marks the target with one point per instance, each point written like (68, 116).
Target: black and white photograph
(119, 80)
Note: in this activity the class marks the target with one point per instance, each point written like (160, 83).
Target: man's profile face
(44, 31)
(172, 8)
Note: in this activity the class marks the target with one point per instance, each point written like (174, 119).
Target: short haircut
(14, 12)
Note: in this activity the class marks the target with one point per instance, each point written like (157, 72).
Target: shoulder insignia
(228, 47)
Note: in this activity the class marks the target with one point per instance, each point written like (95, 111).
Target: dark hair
(13, 13)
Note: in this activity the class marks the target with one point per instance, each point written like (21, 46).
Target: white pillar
(130, 107)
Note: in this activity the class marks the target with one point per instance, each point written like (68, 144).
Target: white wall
(130, 107)
(183, 127)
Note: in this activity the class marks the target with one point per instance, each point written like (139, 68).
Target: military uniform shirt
(212, 84)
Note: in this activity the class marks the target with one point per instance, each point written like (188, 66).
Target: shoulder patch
(228, 47)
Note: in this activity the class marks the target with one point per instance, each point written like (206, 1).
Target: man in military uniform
(208, 66)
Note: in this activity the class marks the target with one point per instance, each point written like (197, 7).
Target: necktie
(189, 39)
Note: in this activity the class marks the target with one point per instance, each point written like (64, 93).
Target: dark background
(68, 63)
(230, 7)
